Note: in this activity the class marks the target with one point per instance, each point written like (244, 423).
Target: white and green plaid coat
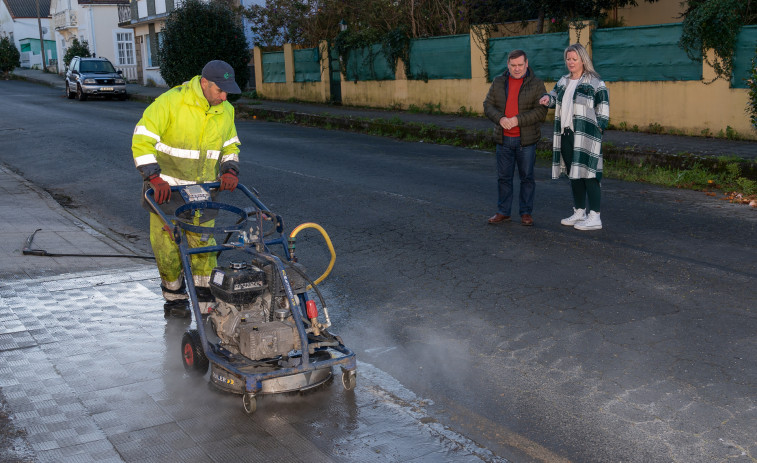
(591, 114)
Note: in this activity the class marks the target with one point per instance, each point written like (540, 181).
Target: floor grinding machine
(264, 334)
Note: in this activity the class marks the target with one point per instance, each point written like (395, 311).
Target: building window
(124, 48)
(153, 60)
(148, 51)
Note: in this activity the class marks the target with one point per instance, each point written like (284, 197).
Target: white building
(18, 20)
(96, 22)
(147, 19)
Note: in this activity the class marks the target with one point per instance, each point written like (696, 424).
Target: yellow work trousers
(167, 256)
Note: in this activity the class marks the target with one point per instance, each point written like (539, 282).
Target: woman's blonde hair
(583, 55)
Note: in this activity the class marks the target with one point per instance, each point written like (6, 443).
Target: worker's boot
(178, 308)
(177, 303)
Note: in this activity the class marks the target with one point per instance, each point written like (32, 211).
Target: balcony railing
(124, 15)
(65, 19)
(130, 72)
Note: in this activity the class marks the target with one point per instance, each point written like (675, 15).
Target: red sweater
(511, 107)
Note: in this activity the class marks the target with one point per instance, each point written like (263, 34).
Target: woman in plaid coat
(582, 112)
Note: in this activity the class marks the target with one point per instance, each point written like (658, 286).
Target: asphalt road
(635, 343)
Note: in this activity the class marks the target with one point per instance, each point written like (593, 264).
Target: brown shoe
(526, 220)
(497, 218)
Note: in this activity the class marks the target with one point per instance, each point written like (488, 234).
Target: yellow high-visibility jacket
(184, 139)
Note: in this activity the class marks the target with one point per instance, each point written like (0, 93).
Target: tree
(565, 11)
(76, 49)
(10, 57)
(306, 22)
(715, 25)
(200, 32)
(279, 21)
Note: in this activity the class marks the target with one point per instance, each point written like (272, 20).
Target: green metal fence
(273, 67)
(368, 63)
(746, 46)
(307, 65)
(643, 53)
(446, 57)
(544, 53)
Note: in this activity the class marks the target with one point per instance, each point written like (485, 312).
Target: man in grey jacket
(512, 104)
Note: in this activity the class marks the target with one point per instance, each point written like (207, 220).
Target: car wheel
(121, 97)
(69, 94)
(81, 96)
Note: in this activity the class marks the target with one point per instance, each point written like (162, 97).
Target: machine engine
(252, 315)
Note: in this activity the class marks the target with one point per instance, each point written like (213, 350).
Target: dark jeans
(582, 187)
(510, 153)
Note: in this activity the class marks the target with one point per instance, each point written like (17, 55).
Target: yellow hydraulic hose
(325, 235)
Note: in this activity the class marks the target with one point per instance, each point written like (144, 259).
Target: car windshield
(96, 66)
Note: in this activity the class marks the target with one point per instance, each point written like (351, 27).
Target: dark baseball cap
(222, 74)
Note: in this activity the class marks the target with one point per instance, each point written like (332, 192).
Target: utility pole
(41, 38)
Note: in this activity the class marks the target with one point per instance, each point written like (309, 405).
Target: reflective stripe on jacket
(184, 139)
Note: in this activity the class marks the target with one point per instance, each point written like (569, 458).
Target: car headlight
(120, 81)
(89, 81)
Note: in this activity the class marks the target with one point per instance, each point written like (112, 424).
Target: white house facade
(96, 22)
(18, 20)
(147, 19)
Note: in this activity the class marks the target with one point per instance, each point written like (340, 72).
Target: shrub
(200, 32)
(10, 57)
(747, 186)
(752, 85)
(76, 49)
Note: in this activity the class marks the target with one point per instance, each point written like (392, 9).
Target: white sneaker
(578, 215)
(591, 222)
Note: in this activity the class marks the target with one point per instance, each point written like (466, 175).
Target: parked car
(87, 77)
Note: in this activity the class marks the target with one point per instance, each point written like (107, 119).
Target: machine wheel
(80, 95)
(70, 95)
(250, 403)
(192, 353)
(349, 379)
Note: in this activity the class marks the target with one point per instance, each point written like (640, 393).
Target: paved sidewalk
(644, 142)
(27, 208)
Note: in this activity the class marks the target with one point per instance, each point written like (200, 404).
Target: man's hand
(508, 123)
(161, 189)
(229, 181)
